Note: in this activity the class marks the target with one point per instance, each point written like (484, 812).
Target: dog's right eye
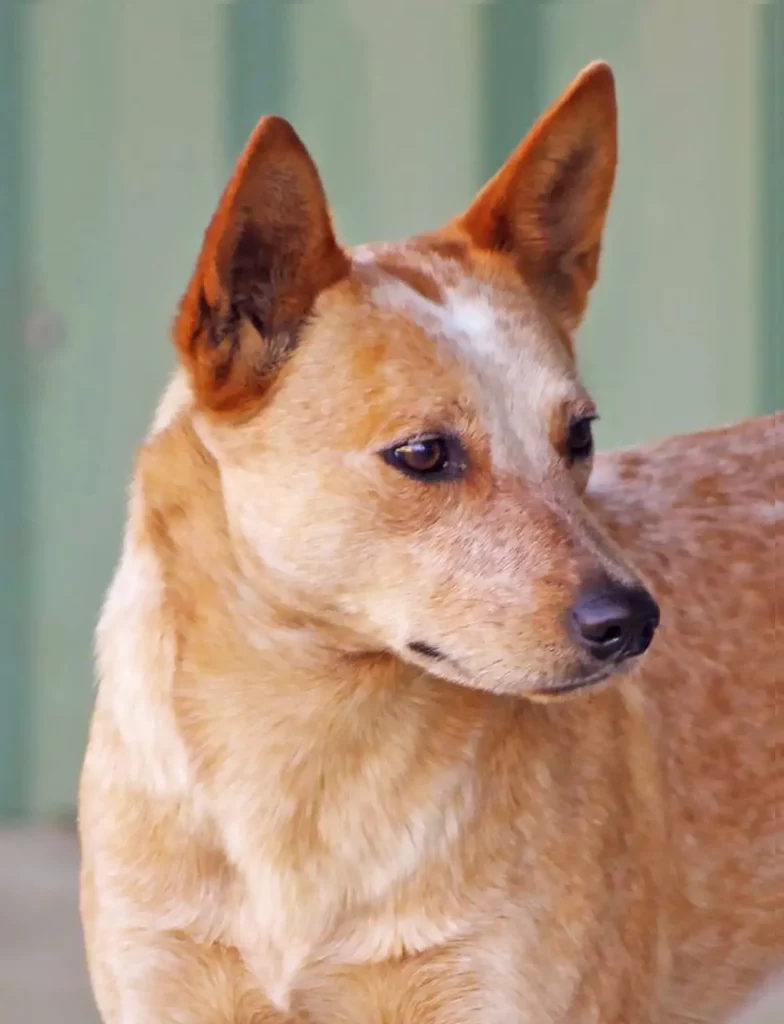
(430, 458)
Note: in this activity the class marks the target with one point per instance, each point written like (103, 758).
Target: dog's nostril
(609, 635)
(646, 636)
(616, 623)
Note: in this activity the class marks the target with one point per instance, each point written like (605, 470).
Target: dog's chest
(508, 967)
(486, 978)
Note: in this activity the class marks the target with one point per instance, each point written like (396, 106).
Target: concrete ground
(42, 972)
(43, 978)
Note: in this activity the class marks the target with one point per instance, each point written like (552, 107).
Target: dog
(378, 735)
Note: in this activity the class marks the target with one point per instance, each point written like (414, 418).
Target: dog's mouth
(588, 681)
(439, 660)
(582, 684)
(425, 650)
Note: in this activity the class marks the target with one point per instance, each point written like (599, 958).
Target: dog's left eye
(579, 442)
(430, 459)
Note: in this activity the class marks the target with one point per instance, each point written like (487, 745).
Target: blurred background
(119, 124)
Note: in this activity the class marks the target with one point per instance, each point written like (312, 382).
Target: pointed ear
(267, 254)
(547, 206)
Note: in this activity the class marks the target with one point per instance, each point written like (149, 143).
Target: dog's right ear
(269, 251)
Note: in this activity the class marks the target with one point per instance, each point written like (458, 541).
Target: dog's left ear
(547, 206)
(267, 254)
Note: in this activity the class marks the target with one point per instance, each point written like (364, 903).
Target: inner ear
(564, 187)
(547, 206)
(268, 253)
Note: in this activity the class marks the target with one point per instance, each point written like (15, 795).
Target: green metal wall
(124, 113)
(771, 204)
(14, 677)
(131, 121)
(672, 339)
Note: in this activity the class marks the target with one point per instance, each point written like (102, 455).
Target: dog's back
(699, 515)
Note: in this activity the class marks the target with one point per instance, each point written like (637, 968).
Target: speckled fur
(286, 813)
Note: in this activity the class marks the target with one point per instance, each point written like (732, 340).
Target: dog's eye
(427, 458)
(579, 443)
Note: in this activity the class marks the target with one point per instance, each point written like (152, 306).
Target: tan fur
(286, 813)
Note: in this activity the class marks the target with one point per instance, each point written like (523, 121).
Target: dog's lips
(589, 681)
(446, 667)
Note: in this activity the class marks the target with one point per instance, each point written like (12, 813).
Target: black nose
(616, 623)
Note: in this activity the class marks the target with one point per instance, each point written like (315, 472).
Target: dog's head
(402, 436)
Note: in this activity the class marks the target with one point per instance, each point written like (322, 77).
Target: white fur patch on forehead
(465, 320)
(478, 315)
(519, 364)
(474, 318)
(467, 312)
